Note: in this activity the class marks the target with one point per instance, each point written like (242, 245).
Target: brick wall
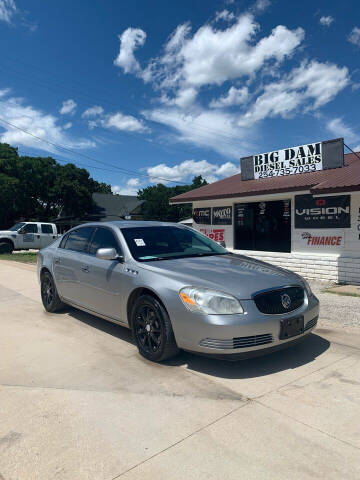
(334, 268)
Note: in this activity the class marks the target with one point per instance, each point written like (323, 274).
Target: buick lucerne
(176, 289)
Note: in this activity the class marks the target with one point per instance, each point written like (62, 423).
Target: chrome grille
(311, 323)
(271, 302)
(238, 342)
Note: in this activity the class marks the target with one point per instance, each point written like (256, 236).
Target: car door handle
(57, 260)
(85, 268)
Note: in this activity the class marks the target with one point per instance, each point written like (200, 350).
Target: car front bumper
(240, 336)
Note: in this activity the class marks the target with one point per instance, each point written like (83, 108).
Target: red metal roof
(346, 178)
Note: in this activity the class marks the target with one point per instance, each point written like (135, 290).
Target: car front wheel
(49, 295)
(152, 329)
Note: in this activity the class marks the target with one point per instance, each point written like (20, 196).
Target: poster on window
(202, 215)
(222, 215)
(322, 212)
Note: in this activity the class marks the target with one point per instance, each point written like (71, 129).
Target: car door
(47, 235)
(103, 282)
(70, 260)
(28, 236)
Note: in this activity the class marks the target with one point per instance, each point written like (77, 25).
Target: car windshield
(165, 243)
(16, 227)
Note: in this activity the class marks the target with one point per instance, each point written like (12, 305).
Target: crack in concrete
(181, 440)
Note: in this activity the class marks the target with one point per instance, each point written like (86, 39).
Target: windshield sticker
(139, 242)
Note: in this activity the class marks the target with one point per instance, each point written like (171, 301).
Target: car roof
(131, 224)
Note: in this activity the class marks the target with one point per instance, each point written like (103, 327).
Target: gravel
(336, 310)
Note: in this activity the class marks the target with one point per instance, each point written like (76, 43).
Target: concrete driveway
(77, 402)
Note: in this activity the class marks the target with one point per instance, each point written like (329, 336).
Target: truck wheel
(49, 294)
(152, 330)
(6, 247)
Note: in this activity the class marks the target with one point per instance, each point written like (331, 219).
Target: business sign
(216, 234)
(336, 239)
(289, 161)
(322, 212)
(222, 215)
(202, 215)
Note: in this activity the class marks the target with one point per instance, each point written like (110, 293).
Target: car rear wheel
(152, 329)
(49, 295)
(6, 247)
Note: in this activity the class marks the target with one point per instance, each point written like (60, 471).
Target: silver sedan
(176, 289)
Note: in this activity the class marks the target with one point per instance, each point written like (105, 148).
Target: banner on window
(222, 215)
(202, 215)
(322, 212)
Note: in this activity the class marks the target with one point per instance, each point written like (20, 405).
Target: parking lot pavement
(77, 402)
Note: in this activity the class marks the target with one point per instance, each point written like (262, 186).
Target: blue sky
(176, 89)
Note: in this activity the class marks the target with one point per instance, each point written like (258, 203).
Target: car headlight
(205, 300)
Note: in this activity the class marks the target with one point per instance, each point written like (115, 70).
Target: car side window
(30, 228)
(103, 238)
(63, 241)
(78, 240)
(46, 228)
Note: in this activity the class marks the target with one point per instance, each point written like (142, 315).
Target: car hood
(7, 232)
(236, 274)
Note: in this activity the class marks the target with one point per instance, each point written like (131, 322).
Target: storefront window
(263, 226)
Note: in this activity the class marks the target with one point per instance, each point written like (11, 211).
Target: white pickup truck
(27, 235)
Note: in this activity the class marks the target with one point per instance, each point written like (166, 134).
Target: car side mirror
(21, 230)
(221, 243)
(108, 254)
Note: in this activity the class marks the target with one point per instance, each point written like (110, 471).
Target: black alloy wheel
(152, 329)
(148, 329)
(49, 295)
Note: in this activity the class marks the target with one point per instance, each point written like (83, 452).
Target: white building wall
(340, 264)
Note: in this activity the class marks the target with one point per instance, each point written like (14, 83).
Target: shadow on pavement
(287, 359)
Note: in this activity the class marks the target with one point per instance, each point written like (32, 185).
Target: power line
(351, 150)
(52, 86)
(123, 170)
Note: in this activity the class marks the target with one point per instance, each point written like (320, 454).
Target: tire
(152, 330)
(49, 294)
(6, 247)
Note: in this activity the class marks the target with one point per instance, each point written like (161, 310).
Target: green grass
(25, 257)
(344, 294)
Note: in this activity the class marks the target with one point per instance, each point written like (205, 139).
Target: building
(298, 208)
(106, 207)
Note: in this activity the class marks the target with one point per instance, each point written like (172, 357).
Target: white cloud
(45, 126)
(193, 63)
(130, 40)
(354, 36)
(312, 84)
(212, 56)
(186, 170)
(261, 5)
(68, 107)
(212, 129)
(67, 125)
(224, 15)
(131, 188)
(93, 111)
(338, 128)
(118, 120)
(326, 21)
(7, 10)
(235, 96)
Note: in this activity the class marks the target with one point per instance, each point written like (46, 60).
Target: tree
(156, 206)
(39, 188)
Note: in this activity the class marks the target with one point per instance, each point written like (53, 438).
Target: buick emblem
(285, 300)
